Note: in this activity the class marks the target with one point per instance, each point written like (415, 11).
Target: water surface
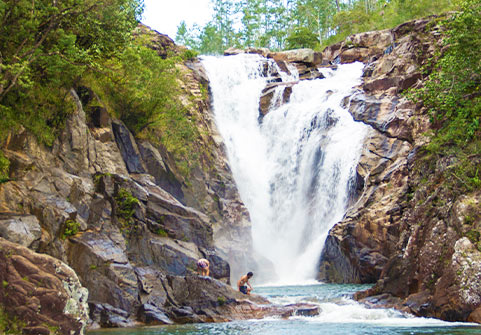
(339, 315)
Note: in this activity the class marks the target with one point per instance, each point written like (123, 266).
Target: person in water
(244, 285)
(203, 267)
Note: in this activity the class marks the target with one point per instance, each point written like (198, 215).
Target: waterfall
(294, 167)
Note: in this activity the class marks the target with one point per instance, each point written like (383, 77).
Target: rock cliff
(117, 210)
(406, 230)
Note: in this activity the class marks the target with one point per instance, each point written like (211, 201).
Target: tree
(316, 15)
(452, 96)
(302, 37)
(46, 44)
(252, 14)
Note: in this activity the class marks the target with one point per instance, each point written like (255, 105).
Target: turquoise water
(339, 315)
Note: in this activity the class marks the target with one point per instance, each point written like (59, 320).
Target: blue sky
(165, 15)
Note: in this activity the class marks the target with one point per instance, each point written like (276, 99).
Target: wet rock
(475, 316)
(108, 316)
(128, 148)
(212, 301)
(379, 238)
(304, 309)
(150, 314)
(105, 269)
(273, 96)
(155, 165)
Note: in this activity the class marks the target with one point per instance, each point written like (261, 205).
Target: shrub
(161, 232)
(9, 325)
(71, 228)
(4, 168)
(452, 96)
(221, 300)
(125, 208)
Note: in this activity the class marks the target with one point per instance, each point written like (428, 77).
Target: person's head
(249, 275)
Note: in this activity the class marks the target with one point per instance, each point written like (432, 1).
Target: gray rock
(151, 314)
(128, 148)
(164, 177)
(22, 229)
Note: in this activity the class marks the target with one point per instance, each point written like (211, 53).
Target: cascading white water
(294, 168)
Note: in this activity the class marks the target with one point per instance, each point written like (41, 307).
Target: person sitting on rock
(203, 267)
(244, 285)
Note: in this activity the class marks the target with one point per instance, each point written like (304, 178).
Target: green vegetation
(9, 325)
(125, 209)
(279, 25)
(452, 96)
(161, 232)
(45, 47)
(473, 236)
(221, 300)
(149, 103)
(71, 228)
(4, 168)
(49, 47)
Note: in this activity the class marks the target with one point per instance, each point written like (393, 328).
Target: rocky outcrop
(407, 231)
(277, 92)
(119, 212)
(359, 247)
(40, 291)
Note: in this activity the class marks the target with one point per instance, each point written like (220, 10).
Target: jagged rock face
(161, 43)
(358, 248)
(41, 291)
(212, 189)
(85, 180)
(412, 245)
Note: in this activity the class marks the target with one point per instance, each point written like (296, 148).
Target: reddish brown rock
(406, 230)
(475, 316)
(41, 291)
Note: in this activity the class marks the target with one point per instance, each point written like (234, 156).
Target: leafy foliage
(126, 205)
(279, 25)
(9, 325)
(71, 228)
(4, 168)
(302, 37)
(452, 96)
(45, 46)
(142, 89)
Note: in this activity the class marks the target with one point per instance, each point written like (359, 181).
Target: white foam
(292, 170)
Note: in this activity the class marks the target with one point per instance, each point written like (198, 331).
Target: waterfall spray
(293, 167)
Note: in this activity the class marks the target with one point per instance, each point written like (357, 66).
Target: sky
(165, 15)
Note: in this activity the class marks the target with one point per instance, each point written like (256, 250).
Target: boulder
(41, 291)
(107, 316)
(307, 56)
(274, 95)
(203, 299)
(103, 266)
(22, 229)
(233, 51)
(475, 316)
(152, 315)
